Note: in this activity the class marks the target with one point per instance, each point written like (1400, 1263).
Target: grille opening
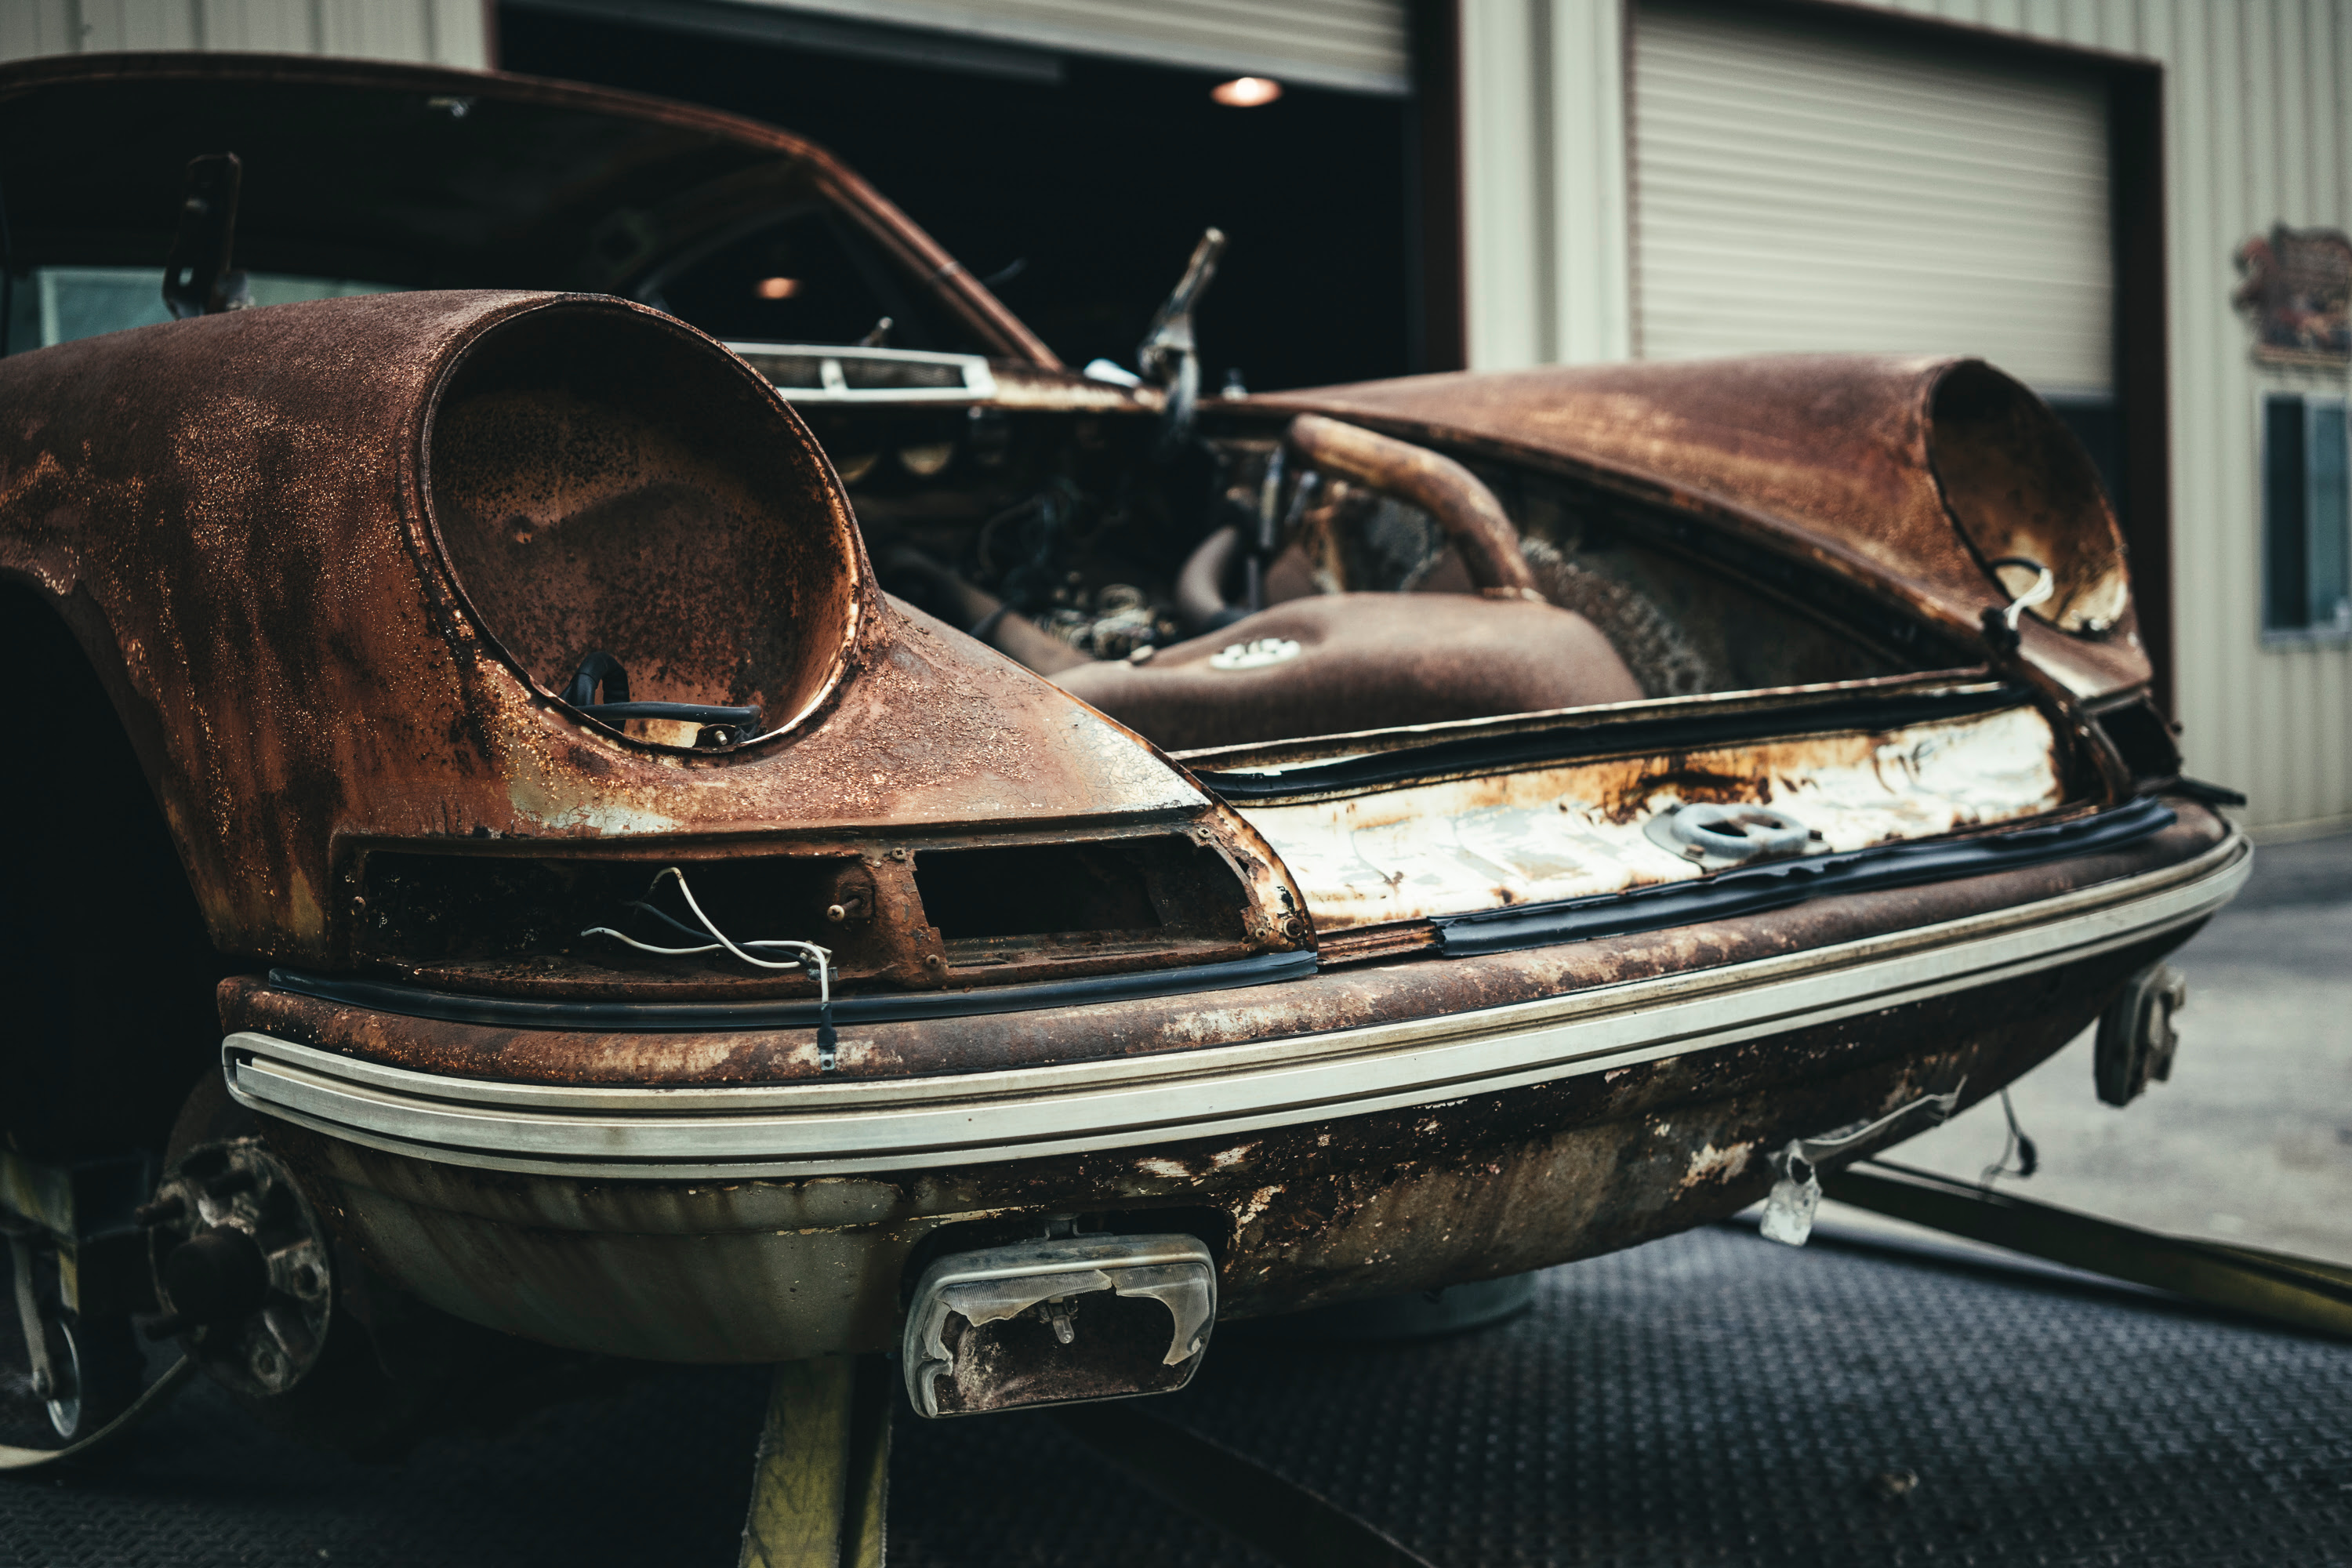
(460, 910)
(1110, 889)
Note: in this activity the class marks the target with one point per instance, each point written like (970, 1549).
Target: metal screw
(835, 913)
(933, 960)
(359, 906)
(897, 854)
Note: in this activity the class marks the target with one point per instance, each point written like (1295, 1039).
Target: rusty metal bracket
(820, 1487)
(2137, 1040)
(1788, 1212)
(2301, 1293)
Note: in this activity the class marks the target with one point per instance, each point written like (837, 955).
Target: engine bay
(1239, 589)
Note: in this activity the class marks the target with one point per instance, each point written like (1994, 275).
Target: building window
(2306, 497)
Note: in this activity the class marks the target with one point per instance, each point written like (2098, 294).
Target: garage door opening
(1078, 198)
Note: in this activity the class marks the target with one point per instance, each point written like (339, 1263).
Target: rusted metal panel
(1839, 460)
(239, 516)
(1357, 1206)
(1572, 832)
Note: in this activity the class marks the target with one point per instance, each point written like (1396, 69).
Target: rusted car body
(1388, 837)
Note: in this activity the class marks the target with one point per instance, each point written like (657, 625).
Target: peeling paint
(1709, 1163)
(1578, 831)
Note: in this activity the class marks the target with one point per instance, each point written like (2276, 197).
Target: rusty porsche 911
(612, 755)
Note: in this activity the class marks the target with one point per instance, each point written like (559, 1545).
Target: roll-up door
(1798, 188)
(1353, 44)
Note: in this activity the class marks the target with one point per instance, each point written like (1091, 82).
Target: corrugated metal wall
(1543, 156)
(2258, 115)
(443, 32)
(1354, 44)
(1800, 189)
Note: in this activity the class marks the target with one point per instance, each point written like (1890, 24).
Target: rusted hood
(298, 544)
(1907, 475)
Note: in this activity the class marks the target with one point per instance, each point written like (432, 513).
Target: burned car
(634, 767)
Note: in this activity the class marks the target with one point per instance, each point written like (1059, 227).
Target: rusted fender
(1440, 487)
(1907, 476)
(288, 555)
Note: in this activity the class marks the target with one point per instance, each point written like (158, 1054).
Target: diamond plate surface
(1711, 1399)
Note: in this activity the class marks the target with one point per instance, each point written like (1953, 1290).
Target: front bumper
(758, 1221)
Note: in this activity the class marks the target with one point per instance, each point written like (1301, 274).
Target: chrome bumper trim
(830, 1127)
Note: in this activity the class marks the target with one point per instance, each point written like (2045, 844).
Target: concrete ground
(2251, 1139)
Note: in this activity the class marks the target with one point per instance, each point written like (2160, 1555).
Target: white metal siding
(1543, 133)
(2257, 130)
(1800, 189)
(1354, 44)
(438, 32)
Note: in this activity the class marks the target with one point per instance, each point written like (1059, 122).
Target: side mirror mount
(196, 276)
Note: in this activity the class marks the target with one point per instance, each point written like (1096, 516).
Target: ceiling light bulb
(1246, 91)
(776, 288)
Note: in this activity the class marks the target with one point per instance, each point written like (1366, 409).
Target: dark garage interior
(1077, 200)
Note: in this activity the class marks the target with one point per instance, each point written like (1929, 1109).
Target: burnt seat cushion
(1365, 661)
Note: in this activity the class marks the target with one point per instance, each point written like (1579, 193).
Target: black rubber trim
(2207, 794)
(1679, 732)
(716, 1018)
(1753, 889)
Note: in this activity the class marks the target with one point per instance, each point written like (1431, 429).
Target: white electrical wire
(2044, 587)
(820, 958)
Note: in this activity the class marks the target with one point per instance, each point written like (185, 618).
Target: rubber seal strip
(1542, 748)
(1756, 889)
(718, 1017)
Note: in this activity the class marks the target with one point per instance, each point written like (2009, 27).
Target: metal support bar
(159, 1393)
(29, 1316)
(1293, 1526)
(820, 1487)
(2302, 1292)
